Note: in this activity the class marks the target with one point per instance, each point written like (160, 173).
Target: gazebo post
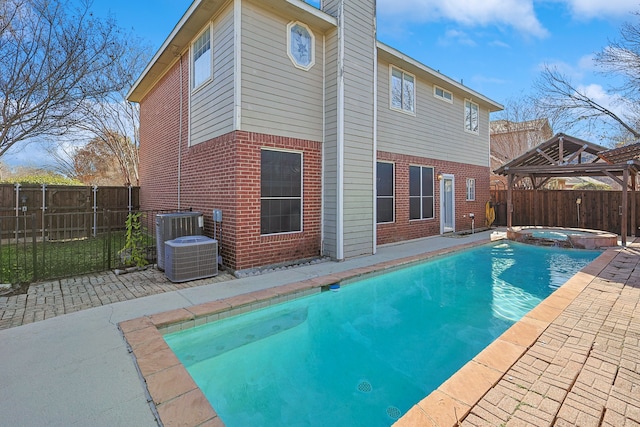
(633, 204)
(625, 206)
(509, 199)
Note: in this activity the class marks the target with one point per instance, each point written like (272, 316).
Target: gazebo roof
(621, 154)
(562, 151)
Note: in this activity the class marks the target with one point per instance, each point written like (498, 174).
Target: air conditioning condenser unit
(190, 258)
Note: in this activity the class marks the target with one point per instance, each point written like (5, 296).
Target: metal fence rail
(68, 244)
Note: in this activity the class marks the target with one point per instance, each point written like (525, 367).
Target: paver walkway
(584, 370)
(57, 297)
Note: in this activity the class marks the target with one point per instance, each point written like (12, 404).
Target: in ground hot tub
(564, 237)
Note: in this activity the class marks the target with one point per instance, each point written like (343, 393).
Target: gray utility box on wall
(190, 257)
(176, 224)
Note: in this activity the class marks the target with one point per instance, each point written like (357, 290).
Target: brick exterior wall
(222, 173)
(403, 228)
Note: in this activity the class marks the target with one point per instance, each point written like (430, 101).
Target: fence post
(44, 207)
(17, 190)
(95, 210)
(34, 247)
(108, 223)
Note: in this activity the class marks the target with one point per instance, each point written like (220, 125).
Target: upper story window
(471, 118)
(384, 192)
(438, 92)
(300, 41)
(201, 64)
(403, 90)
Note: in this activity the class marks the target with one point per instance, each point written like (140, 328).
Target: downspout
(340, 138)
(375, 131)
(180, 135)
(324, 141)
(237, 65)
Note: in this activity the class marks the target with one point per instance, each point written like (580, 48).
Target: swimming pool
(365, 354)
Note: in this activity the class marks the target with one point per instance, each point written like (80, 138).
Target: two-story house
(310, 135)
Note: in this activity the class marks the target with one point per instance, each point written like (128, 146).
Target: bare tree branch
(54, 56)
(558, 93)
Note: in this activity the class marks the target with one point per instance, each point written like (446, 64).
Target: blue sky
(496, 47)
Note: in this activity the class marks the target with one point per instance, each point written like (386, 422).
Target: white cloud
(564, 68)
(457, 37)
(596, 92)
(500, 43)
(518, 14)
(597, 8)
(587, 62)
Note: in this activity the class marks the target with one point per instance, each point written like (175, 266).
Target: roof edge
(495, 106)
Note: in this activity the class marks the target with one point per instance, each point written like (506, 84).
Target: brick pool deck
(57, 297)
(574, 360)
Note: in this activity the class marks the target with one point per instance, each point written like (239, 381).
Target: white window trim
(313, 46)
(464, 117)
(433, 196)
(301, 189)
(192, 63)
(445, 99)
(471, 185)
(393, 189)
(415, 84)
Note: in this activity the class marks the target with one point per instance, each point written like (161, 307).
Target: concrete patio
(74, 367)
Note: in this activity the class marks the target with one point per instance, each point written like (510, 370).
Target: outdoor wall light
(439, 176)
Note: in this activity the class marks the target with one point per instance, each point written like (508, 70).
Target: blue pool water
(366, 354)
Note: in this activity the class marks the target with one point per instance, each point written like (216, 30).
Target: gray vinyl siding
(437, 129)
(278, 98)
(359, 82)
(211, 106)
(330, 156)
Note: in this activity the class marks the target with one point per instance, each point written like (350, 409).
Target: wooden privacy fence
(593, 209)
(21, 201)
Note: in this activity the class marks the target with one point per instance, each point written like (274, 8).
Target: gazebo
(567, 156)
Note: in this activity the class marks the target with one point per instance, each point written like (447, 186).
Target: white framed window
(300, 45)
(421, 193)
(471, 189)
(471, 116)
(385, 199)
(280, 192)
(443, 94)
(201, 59)
(403, 90)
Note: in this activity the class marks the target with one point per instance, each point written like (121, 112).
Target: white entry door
(447, 204)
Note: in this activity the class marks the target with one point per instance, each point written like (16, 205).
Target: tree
(54, 57)
(115, 120)
(620, 60)
(517, 129)
(95, 164)
(561, 95)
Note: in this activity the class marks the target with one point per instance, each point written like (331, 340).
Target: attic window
(201, 59)
(300, 42)
(443, 94)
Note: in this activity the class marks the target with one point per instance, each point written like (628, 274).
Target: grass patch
(56, 259)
